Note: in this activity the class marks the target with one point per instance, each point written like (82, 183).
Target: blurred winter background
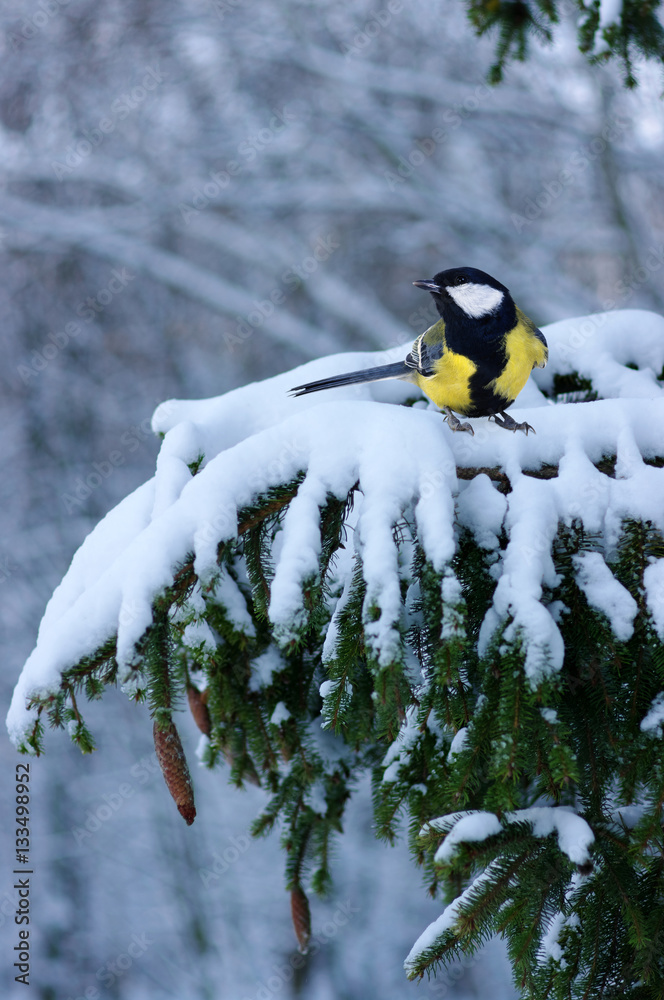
(196, 195)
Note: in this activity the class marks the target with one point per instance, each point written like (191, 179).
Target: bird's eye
(460, 280)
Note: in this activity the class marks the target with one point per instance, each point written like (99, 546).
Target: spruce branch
(413, 692)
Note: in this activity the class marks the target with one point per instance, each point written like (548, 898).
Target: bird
(474, 361)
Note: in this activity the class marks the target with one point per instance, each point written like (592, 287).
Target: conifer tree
(622, 30)
(477, 622)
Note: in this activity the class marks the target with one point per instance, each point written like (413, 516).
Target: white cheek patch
(476, 300)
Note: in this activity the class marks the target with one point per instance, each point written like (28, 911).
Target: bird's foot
(455, 424)
(510, 424)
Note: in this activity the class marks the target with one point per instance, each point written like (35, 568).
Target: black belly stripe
(484, 400)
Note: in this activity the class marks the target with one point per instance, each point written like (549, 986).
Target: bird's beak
(427, 285)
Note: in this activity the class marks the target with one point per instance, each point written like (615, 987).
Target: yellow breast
(450, 385)
(524, 351)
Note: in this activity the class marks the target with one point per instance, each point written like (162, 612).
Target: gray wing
(422, 356)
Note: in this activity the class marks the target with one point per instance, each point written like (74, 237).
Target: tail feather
(398, 370)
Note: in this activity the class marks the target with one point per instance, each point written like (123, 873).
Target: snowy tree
(396, 149)
(342, 585)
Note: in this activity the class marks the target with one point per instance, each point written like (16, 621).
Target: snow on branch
(402, 461)
(574, 837)
(339, 582)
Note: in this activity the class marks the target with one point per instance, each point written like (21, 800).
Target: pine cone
(301, 915)
(198, 707)
(174, 767)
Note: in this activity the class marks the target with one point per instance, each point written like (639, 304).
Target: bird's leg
(454, 422)
(510, 424)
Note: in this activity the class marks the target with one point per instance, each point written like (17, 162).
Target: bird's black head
(468, 291)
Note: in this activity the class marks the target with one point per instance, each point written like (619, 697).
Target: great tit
(475, 360)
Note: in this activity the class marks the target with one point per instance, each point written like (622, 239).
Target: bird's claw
(510, 424)
(455, 424)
